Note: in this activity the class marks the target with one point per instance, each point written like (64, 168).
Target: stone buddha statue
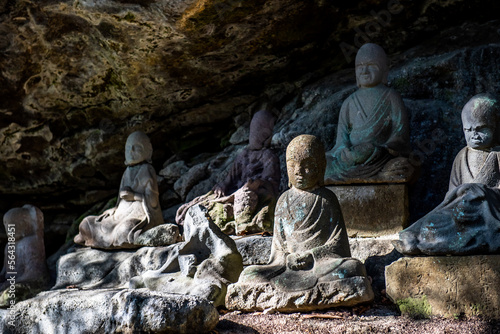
(24, 257)
(137, 209)
(310, 248)
(244, 202)
(373, 137)
(468, 220)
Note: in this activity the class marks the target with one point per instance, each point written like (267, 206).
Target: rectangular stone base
(372, 210)
(448, 285)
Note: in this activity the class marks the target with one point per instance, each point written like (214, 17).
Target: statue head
(305, 162)
(372, 66)
(261, 130)
(138, 149)
(26, 221)
(479, 119)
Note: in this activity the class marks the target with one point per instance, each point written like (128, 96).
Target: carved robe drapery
(371, 116)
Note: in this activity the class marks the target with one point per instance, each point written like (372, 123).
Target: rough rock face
(452, 285)
(77, 77)
(110, 311)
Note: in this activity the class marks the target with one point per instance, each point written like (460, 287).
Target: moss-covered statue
(468, 220)
(310, 265)
(244, 202)
(373, 137)
(137, 209)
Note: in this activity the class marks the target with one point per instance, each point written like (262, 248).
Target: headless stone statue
(310, 249)
(244, 202)
(468, 220)
(137, 209)
(373, 137)
(201, 265)
(24, 263)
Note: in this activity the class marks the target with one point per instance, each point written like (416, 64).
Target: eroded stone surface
(161, 235)
(373, 210)
(201, 265)
(111, 311)
(254, 249)
(453, 284)
(262, 296)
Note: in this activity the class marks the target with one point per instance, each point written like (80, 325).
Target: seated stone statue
(24, 256)
(137, 209)
(310, 265)
(373, 138)
(244, 202)
(468, 220)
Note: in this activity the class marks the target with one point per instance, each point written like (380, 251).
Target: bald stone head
(372, 66)
(261, 130)
(306, 162)
(480, 122)
(138, 149)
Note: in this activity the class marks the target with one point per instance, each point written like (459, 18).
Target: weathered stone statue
(24, 256)
(244, 202)
(201, 265)
(137, 209)
(373, 138)
(310, 265)
(468, 220)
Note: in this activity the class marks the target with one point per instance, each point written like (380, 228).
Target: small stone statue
(468, 220)
(137, 209)
(244, 202)
(373, 137)
(24, 263)
(310, 251)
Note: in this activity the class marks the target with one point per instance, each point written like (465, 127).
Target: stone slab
(376, 254)
(254, 249)
(372, 210)
(452, 285)
(251, 297)
(110, 311)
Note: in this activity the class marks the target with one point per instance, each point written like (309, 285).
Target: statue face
(303, 173)
(134, 153)
(368, 74)
(478, 132)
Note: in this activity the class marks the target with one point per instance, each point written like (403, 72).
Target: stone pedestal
(251, 297)
(451, 285)
(372, 210)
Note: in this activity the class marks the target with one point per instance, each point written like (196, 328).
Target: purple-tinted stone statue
(244, 201)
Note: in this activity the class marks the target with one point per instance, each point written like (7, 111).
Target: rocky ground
(377, 319)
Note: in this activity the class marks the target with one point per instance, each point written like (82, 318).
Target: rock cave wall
(76, 77)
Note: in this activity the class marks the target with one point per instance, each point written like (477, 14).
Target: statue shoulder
(327, 195)
(393, 94)
(146, 170)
